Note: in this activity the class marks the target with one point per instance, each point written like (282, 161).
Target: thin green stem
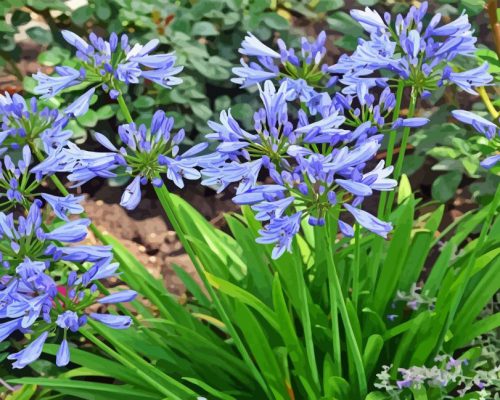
(402, 149)
(391, 144)
(469, 268)
(334, 282)
(124, 109)
(306, 320)
(166, 201)
(356, 266)
(329, 243)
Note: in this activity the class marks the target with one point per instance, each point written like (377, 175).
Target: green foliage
(275, 303)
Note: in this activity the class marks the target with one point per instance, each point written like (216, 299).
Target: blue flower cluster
(36, 303)
(304, 70)
(109, 64)
(27, 123)
(313, 166)
(405, 49)
(145, 155)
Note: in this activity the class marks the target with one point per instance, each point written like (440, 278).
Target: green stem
(356, 266)
(336, 287)
(469, 268)
(167, 204)
(336, 346)
(402, 149)
(391, 144)
(166, 201)
(124, 109)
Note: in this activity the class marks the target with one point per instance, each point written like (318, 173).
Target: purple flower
(131, 197)
(480, 124)
(62, 206)
(30, 353)
(280, 231)
(491, 161)
(63, 356)
(113, 321)
(370, 222)
(119, 297)
(103, 61)
(81, 105)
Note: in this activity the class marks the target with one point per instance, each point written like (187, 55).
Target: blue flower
(62, 206)
(63, 355)
(132, 195)
(49, 86)
(107, 63)
(30, 353)
(306, 67)
(25, 122)
(30, 291)
(280, 231)
(491, 161)
(81, 105)
(119, 297)
(370, 20)
(467, 80)
(113, 321)
(251, 46)
(480, 124)
(369, 221)
(409, 50)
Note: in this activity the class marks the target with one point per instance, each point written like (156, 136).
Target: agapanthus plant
(303, 69)
(313, 167)
(110, 64)
(408, 49)
(145, 155)
(41, 291)
(27, 122)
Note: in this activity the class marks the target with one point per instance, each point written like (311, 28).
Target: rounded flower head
(305, 65)
(145, 154)
(110, 64)
(313, 165)
(25, 122)
(406, 48)
(40, 290)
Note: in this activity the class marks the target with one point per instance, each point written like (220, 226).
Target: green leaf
(201, 111)
(443, 152)
(114, 391)
(371, 353)
(89, 119)
(445, 186)
(343, 22)
(82, 15)
(20, 17)
(103, 10)
(244, 297)
(404, 189)
(275, 21)
(144, 102)
(105, 112)
(39, 35)
(204, 28)
(53, 56)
